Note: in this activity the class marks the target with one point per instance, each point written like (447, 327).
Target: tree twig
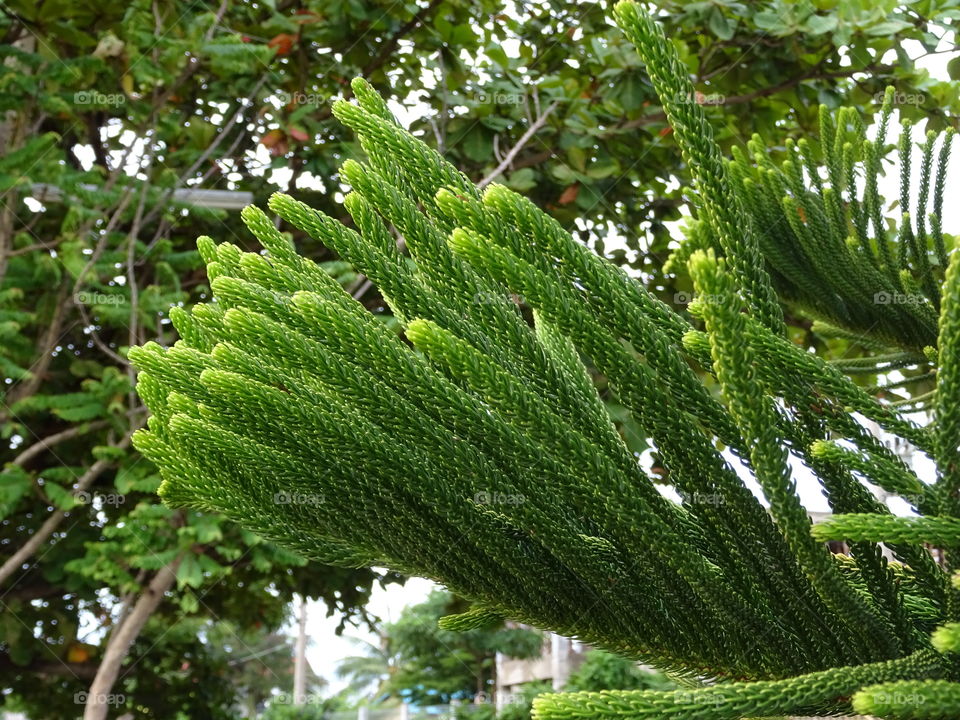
(98, 341)
(524, 139)
(204, 156)
(387, 49)
(48, 442)
(133, 327)
(45, 356)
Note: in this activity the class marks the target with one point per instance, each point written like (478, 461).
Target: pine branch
(476, 447)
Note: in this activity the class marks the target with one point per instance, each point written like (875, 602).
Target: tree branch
(49, 525)
(81, 671)
(659, 117)
(98, 341)
(123, 638)
(524, 139)
(45, 355)
(204, 156)
(387, 49)
(51, 440)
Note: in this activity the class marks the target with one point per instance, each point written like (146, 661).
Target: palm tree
(369, 672)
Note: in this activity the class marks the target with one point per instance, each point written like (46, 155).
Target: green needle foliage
(817, 217)
(475, 450)
(829, 247)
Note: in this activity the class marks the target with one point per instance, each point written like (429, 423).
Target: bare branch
(97, 340)
(524, 139)
(205, 155)
(48, 442)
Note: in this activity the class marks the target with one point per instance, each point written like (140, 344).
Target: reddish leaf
(298, 134)
(569, 195)
(272, 138)
(283, 43)
(77, 654)
(276, 141)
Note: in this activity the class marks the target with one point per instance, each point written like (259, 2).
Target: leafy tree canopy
(420, 662)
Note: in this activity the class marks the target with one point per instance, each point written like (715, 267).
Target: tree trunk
(300, 659)
(99, 696)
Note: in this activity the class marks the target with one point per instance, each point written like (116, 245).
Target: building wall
(560, 657)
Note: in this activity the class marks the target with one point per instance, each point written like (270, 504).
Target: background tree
(260, 669)
(602, 670)
(368, 673)
(436, 665)
(599, 671)
(419, 662)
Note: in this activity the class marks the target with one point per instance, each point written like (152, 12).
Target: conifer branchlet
(474, 448)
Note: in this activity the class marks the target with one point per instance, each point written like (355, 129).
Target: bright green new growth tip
(476, 451)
